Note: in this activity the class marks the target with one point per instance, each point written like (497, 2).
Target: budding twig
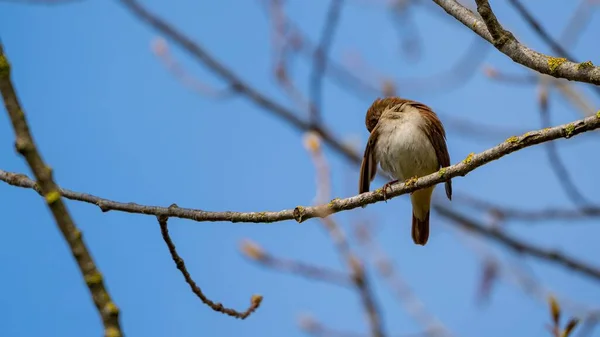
(255, 300)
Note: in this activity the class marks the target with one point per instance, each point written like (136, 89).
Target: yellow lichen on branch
(585, 65)
(469, 158)
(555, 62)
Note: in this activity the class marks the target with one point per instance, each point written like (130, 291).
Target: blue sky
(111, 120)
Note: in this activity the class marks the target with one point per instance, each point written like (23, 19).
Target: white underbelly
(404, 151)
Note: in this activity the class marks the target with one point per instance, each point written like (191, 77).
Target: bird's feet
(411, 181)
(385, 187)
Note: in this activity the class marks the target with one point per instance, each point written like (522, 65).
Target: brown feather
(376, 109)
(368, 167)
(420, 230)
(373, 114)
(437, 136)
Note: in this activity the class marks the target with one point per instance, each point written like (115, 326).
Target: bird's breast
(404, 150)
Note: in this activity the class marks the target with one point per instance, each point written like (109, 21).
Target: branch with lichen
(255, 300)
(545, 36)
(46, 186)
(303, 213)
(491, 30)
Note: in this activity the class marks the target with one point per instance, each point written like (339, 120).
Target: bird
(408, 140)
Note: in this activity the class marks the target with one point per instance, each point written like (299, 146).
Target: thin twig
(254, 252)
(502, 76)
(341, 76)
(25, 145)
(565, 89)
(452, 78)
(363, 85)
(531, 216)
(539, 30)
(514, 272)
(409, 300)
(317, 329)
(573, 96)
(400, 12)
(579, 20)
(359, 276)
(477, 131)
(321, 57)
(283, 45)
(558, 167)
(254, 301)
(161, 50)
(234, 81)
(520, 246)
(42, 2)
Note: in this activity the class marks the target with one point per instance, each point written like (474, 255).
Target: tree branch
(543, 34)
(301, 213)
(499, 34)
(254, 301)
(25, 145)
(506, 43)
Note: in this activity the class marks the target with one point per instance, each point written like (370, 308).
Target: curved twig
(255, 300)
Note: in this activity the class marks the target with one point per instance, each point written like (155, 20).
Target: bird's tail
(421, 201)
(420, 229)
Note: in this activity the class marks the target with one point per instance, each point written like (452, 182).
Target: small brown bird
(408, 140)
